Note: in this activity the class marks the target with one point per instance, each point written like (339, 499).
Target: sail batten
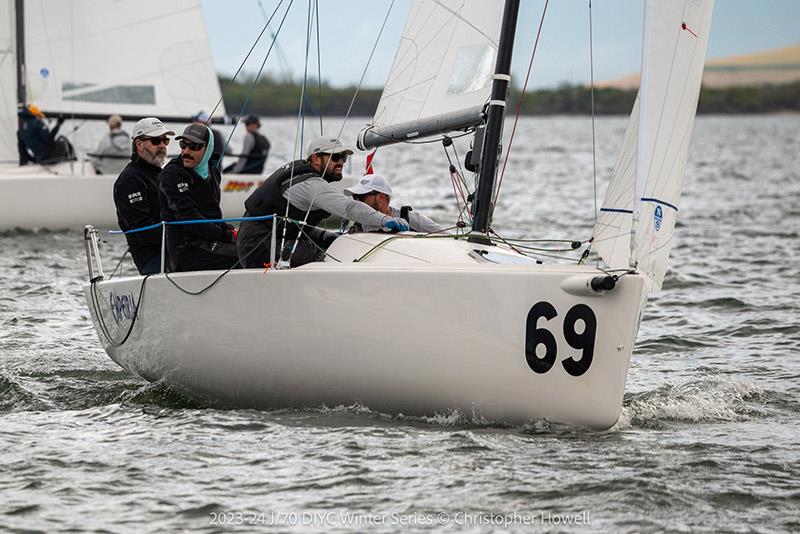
(636, 222)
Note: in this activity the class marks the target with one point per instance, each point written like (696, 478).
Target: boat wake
(707, 399)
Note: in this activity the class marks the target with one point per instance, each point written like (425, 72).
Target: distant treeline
(274, 97)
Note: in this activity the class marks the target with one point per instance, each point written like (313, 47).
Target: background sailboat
(88, 60)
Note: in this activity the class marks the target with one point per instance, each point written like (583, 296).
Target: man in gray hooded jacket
(302, 190)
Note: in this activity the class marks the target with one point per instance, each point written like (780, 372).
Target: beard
(156, 159)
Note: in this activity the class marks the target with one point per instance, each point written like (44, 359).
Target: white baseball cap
(326, 145)
(150, 127)
(369, 183)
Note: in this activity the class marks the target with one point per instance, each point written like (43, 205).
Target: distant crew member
(115, 143)
(255, 150)
(374, 190)
(303, 185)
(37, 143)
(189, 189)
(220, 150)
(136, 193)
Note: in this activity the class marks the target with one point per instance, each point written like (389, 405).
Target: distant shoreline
(281, 98)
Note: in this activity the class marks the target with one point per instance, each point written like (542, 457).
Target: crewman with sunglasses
(189, 189)
(298, 188)
(136, 193)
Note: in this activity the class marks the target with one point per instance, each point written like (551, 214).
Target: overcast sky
(348, 29)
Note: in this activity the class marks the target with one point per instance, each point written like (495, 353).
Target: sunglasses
(336, 158)
(156, 141)
(191, 146)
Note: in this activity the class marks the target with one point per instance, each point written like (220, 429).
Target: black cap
(251, 119)
(196, 133)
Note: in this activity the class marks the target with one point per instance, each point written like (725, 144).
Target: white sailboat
(88, 60)
(420, 324)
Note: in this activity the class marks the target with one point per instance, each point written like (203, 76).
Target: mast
(481, 206)
(19, 12)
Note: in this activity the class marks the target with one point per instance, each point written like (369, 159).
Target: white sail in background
(445, 60)
(136, 57)
(648, 178)
(8, 84)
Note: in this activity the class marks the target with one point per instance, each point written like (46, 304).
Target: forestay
(135, 57)
(645, 187)
(444, 62)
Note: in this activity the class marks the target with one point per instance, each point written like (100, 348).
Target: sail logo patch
(658, 216)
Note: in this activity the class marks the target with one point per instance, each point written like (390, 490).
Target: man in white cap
(136, 193)
(114, 146)
(374, 190)
(297, 189)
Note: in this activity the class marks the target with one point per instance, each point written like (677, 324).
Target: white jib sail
(648, 177)
(8, 84)
(445, 60)
(136, 57)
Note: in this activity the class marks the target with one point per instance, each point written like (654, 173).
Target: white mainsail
(645, 188)
(136, 57)
(445, 60)
(8, 84)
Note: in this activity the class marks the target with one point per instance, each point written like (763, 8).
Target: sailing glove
(396, 225)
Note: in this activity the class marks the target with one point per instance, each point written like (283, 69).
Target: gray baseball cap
(195, 132)
(150, 127)
(326, 145)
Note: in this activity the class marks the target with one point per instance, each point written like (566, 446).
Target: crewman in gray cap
(298, 188)
(189, 189)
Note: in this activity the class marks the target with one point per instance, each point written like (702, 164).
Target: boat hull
(72, 200)
(412, 339)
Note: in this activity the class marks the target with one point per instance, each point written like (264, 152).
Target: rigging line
(309, 23)
(261, 69)
(209, 286)
(258, 76)
(319, 70)
(346, 117)
(453, 180)
(507, 243)
(364, 73)
(594, 146)
(101, 322)
(519, 104)
(119, 263)
(255, 43)
(298, 136)
(287, 72)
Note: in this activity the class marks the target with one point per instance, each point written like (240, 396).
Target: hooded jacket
(185, 195)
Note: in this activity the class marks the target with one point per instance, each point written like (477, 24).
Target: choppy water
(708, 438)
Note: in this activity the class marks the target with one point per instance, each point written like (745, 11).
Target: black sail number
(583, 341)
(537, 335)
